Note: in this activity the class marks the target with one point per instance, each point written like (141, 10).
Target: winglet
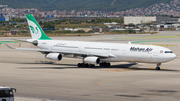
(9, 46)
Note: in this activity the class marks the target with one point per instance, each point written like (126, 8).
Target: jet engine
(91, 60)
(54, 56)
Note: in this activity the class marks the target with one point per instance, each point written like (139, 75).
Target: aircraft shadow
(51, 64)
(96, 67)
(126, 67)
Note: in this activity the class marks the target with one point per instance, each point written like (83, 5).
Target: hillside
(93, 5)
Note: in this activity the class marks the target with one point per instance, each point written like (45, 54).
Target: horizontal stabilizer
(9, 46)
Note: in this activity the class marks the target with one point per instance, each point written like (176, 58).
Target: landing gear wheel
(101, 65)
(79, 65)
(108, 64)
(158, 68)
(85, 65)
(105, 64)
(91, 65)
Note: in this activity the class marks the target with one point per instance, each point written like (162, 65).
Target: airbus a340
(93, 53)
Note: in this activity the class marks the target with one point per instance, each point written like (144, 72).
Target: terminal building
(154, 19)
(138, 19)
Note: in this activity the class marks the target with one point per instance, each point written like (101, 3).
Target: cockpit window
(168, 52)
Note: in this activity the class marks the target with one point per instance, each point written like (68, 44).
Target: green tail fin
(35, 29)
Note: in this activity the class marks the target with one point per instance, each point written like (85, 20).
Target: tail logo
(34, 31)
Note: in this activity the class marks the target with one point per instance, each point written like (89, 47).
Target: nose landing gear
(158, 66)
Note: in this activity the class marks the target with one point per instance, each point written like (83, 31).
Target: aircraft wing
(64, 52)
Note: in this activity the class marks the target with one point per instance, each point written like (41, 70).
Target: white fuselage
(117, 52)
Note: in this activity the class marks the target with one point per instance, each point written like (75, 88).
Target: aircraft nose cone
(173, 56)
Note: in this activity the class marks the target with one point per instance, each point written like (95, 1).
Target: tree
(48, 25)
(40, 22)
(131, 24)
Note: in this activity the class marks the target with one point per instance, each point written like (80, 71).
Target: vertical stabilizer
(35, 29)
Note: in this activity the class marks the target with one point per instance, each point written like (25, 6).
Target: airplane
(94, 53)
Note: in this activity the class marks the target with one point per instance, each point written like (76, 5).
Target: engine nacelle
(92, 60)
(54, 56)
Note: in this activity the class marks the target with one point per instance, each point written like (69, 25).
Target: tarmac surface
(38, 79)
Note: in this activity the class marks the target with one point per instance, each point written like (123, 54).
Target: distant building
(70, 29)
(73, 12)
(168, 26)
(112, 23)
(85, 29)
(176, 1)
(153, 19)
(11, 33)
(160, 26)
(3, 6)
(138, 19)
(166, 20)
(176, 25)
(115, 26)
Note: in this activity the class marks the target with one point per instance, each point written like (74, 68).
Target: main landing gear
(104, 64)
(85, 65)
(158, 66)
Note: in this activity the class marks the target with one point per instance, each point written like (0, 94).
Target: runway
(37, 79)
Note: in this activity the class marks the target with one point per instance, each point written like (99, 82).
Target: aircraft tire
(158, 68)
(91, 65)
(105, 64)
(81, 65)
(108, 64)
(85, 65)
